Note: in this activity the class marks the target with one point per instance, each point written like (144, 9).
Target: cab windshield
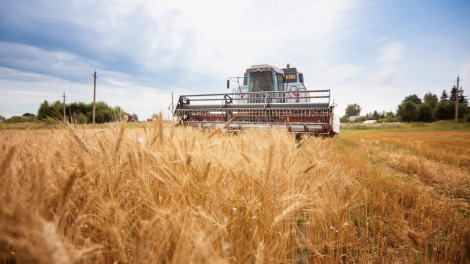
(260, 82)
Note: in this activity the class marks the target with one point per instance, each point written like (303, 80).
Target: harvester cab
(270, 97)
(267, 78)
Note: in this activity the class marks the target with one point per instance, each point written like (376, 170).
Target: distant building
(130, 118)
(370, 121)
(25, 117)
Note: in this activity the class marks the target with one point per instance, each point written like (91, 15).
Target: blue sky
(373, 53)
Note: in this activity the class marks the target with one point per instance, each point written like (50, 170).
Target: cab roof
(264, 68)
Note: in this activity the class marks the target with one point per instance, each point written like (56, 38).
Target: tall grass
(162, 194)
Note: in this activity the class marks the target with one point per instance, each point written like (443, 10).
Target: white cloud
(391, 52)
(342, 72)
(34, 59)
(19, 97)
(382, 39)
(465, 71)
(169, 41)
(144, 49)
(387, 75)
(219, 38)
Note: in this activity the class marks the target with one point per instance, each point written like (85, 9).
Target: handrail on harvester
(256, 100)
(300, 91)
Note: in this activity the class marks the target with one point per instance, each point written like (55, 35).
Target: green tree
(17, 119)
(412, 98)
(370, 116)
(425, 113)
(104, 113)
(375, 115)
(2, 118)
(344, 119)
(44, 110)
(51, 120)
(444, 96)
(120, 114)
(462, 98)
(81, 119)
(431, 100)
(408, 112)
(28, 114)
(57, 109)
(360, 119)
(353, 110)
(446, 110)
(389, 117)
(467, 118)
(453, 94)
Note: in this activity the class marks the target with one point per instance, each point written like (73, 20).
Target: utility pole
(94, 97)
(172, 107)
(457, 102)
(64, 107)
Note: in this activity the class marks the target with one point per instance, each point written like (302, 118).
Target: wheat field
(451, 147)
(165, 194)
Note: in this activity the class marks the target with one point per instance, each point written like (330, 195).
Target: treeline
(26, 117)
(79, 112)
(432, 108)
(355, 110)
(414, 109)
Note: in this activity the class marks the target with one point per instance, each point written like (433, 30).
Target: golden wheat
(451, 147)
(444, 178)
(165, 194)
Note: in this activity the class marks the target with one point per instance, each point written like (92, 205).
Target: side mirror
(228, 84)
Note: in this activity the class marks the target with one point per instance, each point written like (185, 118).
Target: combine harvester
(269, 98)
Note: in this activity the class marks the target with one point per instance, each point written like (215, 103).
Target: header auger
(269, 98)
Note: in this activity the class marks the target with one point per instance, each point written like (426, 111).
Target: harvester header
(269, 98)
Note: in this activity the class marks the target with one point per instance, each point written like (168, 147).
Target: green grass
(447, 126)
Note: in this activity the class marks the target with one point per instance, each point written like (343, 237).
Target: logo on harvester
(295, 93)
